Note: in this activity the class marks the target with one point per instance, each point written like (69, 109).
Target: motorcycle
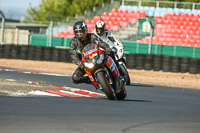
(121, 59)
(102, 71)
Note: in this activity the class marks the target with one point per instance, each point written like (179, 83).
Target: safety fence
(154, 62)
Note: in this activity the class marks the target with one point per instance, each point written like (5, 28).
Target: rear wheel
(107, 88)
(127, 78)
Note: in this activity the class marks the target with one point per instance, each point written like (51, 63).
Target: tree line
(61, 9)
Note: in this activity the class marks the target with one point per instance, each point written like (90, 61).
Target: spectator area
(176, 29)
(179, 27)
(113, 20)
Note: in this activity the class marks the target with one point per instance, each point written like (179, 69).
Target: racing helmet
(100, 28)
(80, 29)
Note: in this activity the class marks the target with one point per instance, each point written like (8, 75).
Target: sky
(16, 9)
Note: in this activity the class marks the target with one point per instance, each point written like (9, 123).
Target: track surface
(147, 109)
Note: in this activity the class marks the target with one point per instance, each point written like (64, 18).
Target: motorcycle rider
(107, 36)
(81, 39)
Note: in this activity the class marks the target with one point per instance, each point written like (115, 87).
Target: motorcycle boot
(78, 77)
(85, 79)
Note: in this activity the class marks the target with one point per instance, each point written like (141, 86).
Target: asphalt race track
(147, 109)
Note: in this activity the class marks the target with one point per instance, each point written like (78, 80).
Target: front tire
(107, 88)
(122, 94)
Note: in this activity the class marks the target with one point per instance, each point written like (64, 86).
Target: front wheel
(106, 86)
(122, 94)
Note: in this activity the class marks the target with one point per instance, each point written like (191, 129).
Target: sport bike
(103, 72)
(121, 59)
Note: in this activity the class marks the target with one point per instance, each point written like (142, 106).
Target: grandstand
(173, 26)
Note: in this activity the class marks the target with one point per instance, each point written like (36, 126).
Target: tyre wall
(154, 62)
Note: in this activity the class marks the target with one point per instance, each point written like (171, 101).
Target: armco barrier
(134, 61)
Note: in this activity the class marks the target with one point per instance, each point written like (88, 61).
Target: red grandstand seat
(105, 14)
(91, 27)
(132, 20)
(121, 15)
(61, 34)
(196, 24)
(181, 18)
(115, 27)
(124, 24)
(116, 23)
(120, 11)
(131, 12)
(125, 11)
(159, 20)
(108, 27)
(106, 18)
(185, 15)
(89, 21)
(125, 19)
(113, 19)
(142, 14)
(69, 35)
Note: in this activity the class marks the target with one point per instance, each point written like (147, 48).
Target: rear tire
(107, 88)
(127, 78)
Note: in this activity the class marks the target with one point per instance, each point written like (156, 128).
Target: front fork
(121, 66)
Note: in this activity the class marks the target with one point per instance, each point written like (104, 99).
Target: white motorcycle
(121, 59)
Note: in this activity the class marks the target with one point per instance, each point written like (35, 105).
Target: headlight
(120, 53)
(89, 65)
(100, 60)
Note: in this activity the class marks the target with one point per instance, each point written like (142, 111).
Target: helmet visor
(79, 33)
(99, 31)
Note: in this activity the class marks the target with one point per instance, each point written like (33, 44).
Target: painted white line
(42, 93)
(11, 80)
(26, 72)
(72, 93)
(31, 72)
(53, 74)
(18, 94)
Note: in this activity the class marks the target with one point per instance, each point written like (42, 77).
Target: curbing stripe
(68, 92)
(74, 92)
(61, 93)
(42, 93)
(85, 91)
(56, 85)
